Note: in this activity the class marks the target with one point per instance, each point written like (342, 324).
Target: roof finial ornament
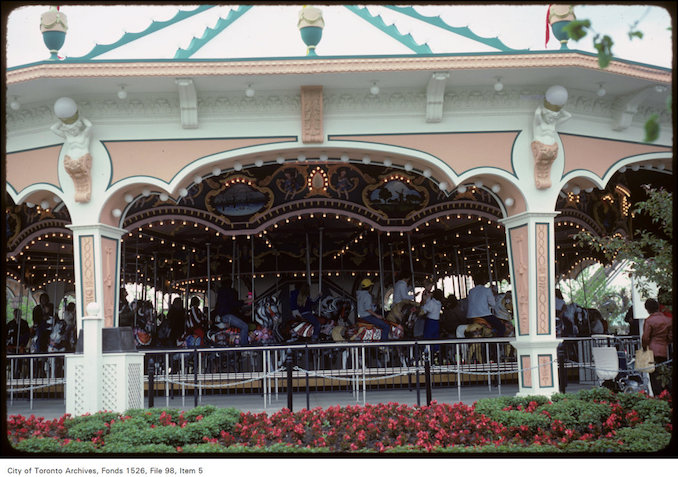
(53, 25)
(559, 16)
(311, 26)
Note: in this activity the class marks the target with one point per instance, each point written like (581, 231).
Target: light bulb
(323, 157)
(129, 198)
(509, 202)
(301, 158)
(197, 179)
(116, 212)
(344, 158)
(183, 192)
(258, 163)
(237, 166)
(44, 204)
(164, 197)
(601, 91)
(427, 172)
(366, 160)
(279, 159)
(442, 186)
(249, 92)
(216, 171)
(388, 162)
(15, 104)
(374, 89)
(408, 167)
(146, 192)
(496, 188)
(122, 94)
(461, 189)
(498, 86)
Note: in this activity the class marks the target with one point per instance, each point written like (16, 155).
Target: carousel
(167, 176)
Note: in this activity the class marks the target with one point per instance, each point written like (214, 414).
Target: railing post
(427, 377)
(151, 382)
(288, 363)
(562, 373)
(195, 376)
(416, 369)
(308, 394)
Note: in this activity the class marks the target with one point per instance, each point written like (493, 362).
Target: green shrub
(82, 447)
(99, 417)
(653, 411)
(86, 430)
(125, 448)
(39, 445)
(596, 394)
(493, 408)
(577, 414)
(645, 438)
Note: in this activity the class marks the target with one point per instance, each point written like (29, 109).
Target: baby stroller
(612, 367)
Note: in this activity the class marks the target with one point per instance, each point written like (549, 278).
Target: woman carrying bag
(657, 334)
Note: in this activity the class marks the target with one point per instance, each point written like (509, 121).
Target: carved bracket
(625, 107)
(312, 114)
(544, 155)
(435, 93)
(188, 102)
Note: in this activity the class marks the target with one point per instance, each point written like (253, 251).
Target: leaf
(604, 47)
(577, 29)
(651, 128)
(635, 34)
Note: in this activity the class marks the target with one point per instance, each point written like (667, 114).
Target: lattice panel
(79, 393)
(109, 386)
(134, 390)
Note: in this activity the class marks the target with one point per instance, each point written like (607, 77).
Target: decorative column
(83, 389)
(96, 261)
(531, 244)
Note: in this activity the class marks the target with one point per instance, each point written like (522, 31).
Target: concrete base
(538, 367)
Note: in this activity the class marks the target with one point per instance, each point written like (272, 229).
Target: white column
(96, 261)
(531, 247)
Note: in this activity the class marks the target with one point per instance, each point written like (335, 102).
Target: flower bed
(590, 421)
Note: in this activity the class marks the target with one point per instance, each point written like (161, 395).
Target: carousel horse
(58, 338)
(578, 321)
(267, 315)
(479, 328)
(144, 323)
(333, 312)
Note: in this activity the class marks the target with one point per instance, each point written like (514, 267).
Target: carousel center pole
(381, 271)
(136, 271)
(320, 263)
(209, 288)
(390, 246)
(433, 263)
(233, 263)
(188, 274)
(409, 248)
(487, 254)
(308, 261)
(155, 282)
(252, 260)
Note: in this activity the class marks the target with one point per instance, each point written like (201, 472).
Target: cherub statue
(77, 159)
(544, 144)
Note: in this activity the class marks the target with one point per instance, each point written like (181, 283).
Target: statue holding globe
(76, 132)
(544, 141)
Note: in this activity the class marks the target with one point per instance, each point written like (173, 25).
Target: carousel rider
(365, 309)
(18, 333)
(302, 305)
(227, 306)
(481, 300)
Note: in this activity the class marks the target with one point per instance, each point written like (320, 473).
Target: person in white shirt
(402, 290)
(432, 309)
(481, 300)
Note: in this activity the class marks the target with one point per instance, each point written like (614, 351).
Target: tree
(650, 253)
(578, 29)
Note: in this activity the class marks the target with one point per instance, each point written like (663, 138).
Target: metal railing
(355, 367)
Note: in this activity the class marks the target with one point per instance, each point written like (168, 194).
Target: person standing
(432, 308)
(657, 334)
(177, 320)
(365, 309)
(226, 308)
(18, 333)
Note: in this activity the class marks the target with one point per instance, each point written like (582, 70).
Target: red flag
(548, 14)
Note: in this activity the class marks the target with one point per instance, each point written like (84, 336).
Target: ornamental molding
(213, 105)
(193, 69)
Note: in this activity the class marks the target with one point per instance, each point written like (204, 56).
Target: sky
(519, 27)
